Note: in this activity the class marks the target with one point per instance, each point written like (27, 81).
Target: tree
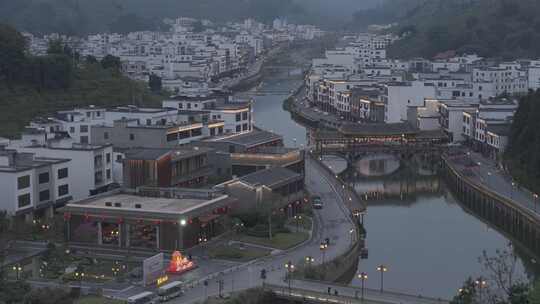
(13, 292)
(90, 59)
(48, 296)
(56, 46)
(12, 52)
(111, 62)
(466, 294)
(534, 294)
(155, 83)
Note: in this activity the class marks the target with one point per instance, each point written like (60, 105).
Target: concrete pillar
(49, 213)
(100, 234)
(29, 217)
(128, 234)
(158, 235)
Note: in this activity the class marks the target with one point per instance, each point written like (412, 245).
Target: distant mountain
(493, 28)
(83, 16)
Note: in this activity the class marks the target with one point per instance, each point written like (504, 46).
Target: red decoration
(180, 264)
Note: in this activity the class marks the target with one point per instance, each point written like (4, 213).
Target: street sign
(152, 269)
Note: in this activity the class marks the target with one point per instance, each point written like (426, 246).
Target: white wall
(402, 96)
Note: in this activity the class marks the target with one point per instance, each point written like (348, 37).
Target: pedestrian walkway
(484, 172)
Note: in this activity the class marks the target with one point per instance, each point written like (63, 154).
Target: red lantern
(120, 220)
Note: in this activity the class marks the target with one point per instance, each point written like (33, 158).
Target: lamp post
(290, 268)
(323, 248)
(382, 269)
(297, 218)
(535, 197)
(363, 277)
(480, 284)
(513, 188)
(18, 269)
(79, 276)
(351, 232)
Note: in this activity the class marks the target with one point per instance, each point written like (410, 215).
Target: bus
(170, 291)
(143, 298)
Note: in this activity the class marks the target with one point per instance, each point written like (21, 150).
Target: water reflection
(419, 229)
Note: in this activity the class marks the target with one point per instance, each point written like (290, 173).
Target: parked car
(317, 202)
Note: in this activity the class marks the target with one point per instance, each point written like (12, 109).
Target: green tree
(155, 83)
(56, 46)
(111, 62)
(48, 296)
(466, 294)
(534, 294)
(13, 292)
(12, 52)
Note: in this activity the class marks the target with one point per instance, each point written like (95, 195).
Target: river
(429, 243)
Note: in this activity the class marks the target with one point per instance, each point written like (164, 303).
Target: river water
(429, 243)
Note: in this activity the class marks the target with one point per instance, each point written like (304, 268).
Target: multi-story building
(33, 186)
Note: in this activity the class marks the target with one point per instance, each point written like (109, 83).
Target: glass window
(43, 177)
(24, 200)
(23, 182)
(44, 195)
(245, 116)
(108, 173)
(71, 129)
(84, 128)
(106, 135)
(238, 117)
(131, 136)
(62, 173)
(238, 128)
(108, 158)
(84, 139)
(63, 190)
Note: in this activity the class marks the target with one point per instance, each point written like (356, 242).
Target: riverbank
(515, 218)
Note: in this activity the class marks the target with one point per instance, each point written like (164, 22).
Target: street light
(18, 269)
(480, 284)
(382, 269)
(323, 248)
(362, 276)
(290, 268)
(351, 232)
(298, 218)
(535, 196)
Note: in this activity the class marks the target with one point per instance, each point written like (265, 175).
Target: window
(23, 182)
(108, 158)
(106, 135)
(62, 173)
(244, 127)
(212, 131)
(43, 177)
(23, 200)
(84, 139)
(44, 195)
(148, 122)
(245, 116)
(180, 105)
(98, 177)
(238, 128)
(88, 114)
(71, 129)
(118, 157)
(98, 114)
(63, 190)
(131, 136)
(238, 117)
(84, 129)
(108, 173)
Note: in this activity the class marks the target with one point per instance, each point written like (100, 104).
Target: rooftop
(382, 129)
(123, 204)
(250, 139)
(272, 178)
(499, 129)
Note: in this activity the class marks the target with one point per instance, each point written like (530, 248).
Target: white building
(400, 95)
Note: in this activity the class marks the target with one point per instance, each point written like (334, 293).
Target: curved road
(332, 222)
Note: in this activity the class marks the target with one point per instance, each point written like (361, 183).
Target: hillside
(82, 17)
(492, 28)
(31, 86)
(523, 154)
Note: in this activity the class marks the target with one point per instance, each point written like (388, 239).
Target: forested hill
(493, 28)
(91, 16)
(32, 85)
(523, 153)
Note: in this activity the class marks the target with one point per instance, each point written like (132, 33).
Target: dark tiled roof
(381, 129)
(250, 139)
(501, 130)
(272, 178)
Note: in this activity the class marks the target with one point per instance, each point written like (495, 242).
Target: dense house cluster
(194, 54)
(471, 98)
(131, 176)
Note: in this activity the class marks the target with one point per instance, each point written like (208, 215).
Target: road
(485, 172)
(335, 224)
